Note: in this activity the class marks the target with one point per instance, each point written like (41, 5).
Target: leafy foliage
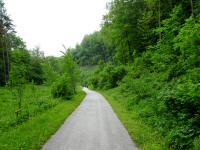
(62, 88)
(148, 50)
(65, 86)
(108, 76)
(36, 72)
(91, 50)
(155, 65)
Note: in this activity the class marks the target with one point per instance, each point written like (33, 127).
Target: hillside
(148, 57)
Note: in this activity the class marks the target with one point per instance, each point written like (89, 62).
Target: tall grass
(41, 116)
(34, 102)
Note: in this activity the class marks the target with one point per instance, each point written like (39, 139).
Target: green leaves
(62, 87)
(124, 33)
(108, 76)
(91, 50)
(188, 42)
(19, 67)
(65, 86)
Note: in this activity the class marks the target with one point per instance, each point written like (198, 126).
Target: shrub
(197, 144)
(108, 76)
(117, 74)
(94, 80)
(193, 75)
(183, 105)
(181, 138)
(62, 88)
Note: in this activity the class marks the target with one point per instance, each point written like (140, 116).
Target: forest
(145, 60)
(147, 57)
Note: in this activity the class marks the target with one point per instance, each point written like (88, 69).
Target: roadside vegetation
(45, 117)
(147, 54)
(145, 59)
(146, 137)
(34, 103)
(37, 93)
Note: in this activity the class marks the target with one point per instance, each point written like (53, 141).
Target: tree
(6, 32)
(36, 72)
(70, 68)
(122, 20)
(18, 74)
(91, 50)
(51, 68)
(66, 83)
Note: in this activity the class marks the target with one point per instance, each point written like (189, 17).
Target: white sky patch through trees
(51, 23)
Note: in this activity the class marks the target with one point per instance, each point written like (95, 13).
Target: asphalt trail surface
(92, 126)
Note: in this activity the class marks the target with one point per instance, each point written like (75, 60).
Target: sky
(51, 23)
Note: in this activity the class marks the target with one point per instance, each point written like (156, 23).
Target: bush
(62, 88)
(117, 74)
(181, 138)
(197, 144)
(94, 81)
(108, 76)
(183, 105)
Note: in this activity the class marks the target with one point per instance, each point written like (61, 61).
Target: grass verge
(35, 132)
(143, 135)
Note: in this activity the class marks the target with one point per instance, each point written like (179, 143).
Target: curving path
(93, 126)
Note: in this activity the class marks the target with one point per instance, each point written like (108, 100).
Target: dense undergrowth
(171, 106)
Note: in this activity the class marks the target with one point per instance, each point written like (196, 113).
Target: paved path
(93, 126)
